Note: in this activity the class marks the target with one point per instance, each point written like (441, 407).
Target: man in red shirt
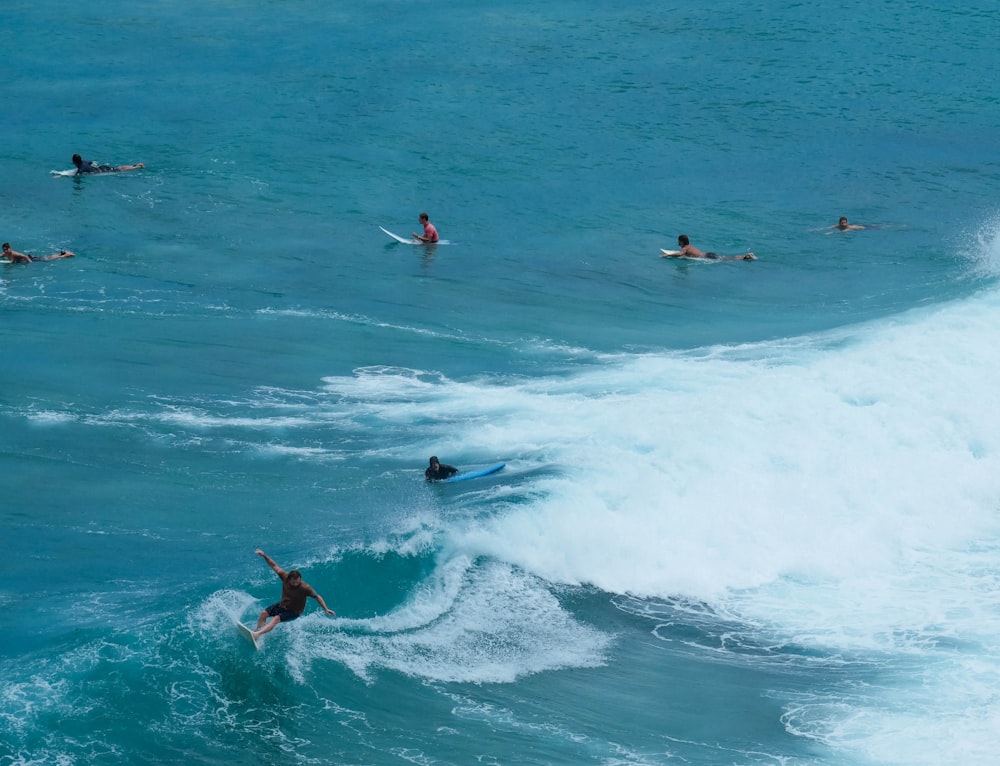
(430, 233)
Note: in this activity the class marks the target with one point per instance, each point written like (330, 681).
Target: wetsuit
(89, 166)
(443, 472)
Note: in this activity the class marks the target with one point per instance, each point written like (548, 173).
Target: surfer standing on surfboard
(430, 233)
(294, 593)
(85, 167)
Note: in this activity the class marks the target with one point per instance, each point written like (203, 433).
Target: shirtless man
(13, 256)
(687, 250)
(843, 225)
(294, 593)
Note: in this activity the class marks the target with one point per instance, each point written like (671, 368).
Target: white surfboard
(63, 173)
(676, 255)
(4, 260)
(710, 258)
(244, 630)
(411, 240)
(402, 240)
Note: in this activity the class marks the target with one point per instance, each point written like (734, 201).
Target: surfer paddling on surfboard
(13, 256)
(687, 250)
(294, 593)
(87, 167)
(430, 233)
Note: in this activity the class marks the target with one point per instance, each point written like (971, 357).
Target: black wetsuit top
(443, 472)
(89, 166)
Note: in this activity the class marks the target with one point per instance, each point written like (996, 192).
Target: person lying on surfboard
(437, 470)
(294, 593)
(85, 167)
(15, 257)
(687, 250)
(430, 233)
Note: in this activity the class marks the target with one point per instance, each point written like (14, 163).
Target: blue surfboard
(473, 474)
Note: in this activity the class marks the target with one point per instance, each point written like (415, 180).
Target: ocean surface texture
(750, 509)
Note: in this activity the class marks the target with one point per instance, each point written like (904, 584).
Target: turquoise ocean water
(750, 510)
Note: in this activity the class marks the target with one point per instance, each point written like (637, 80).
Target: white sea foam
(838, 492)
(485, 624)
(50, 417)
(710, 475)
(835, 492)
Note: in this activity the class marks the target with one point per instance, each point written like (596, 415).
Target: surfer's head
(424, 218)
(842, 223)
(294, 577)
(77, 160)
(6, 247)
(683, 240)
(434, 460)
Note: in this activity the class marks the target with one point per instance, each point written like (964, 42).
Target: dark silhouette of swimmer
(437, 470)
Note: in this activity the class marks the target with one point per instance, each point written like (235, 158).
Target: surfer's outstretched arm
(271, 563)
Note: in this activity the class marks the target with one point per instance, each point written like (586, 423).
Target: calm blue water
(749, 514)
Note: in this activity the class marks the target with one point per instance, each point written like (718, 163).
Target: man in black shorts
(294, 593)
(85, 167)
(13, 256)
